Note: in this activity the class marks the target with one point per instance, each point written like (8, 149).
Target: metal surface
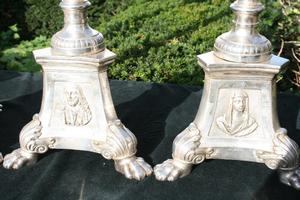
(77, 111)
(243, 43)
(76, 37)
(237, 120)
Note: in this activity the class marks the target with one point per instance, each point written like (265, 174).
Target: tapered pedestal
(77, 113)
(236, 120)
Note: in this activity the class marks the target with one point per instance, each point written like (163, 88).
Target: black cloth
(156, 114)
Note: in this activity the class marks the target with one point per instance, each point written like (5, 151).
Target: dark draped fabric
(156, 113)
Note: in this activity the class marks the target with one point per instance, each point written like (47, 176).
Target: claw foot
(133, 168)
(290, 177)
(170, 170)
(19, 158)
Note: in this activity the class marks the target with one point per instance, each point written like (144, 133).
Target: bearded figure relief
(237, 120)
(76, 110)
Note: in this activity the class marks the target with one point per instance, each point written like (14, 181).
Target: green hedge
(46, 17)
(13, 12)
(155, 40)
(20, 58)
(289, 33)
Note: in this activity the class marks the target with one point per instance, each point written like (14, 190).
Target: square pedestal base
(236, 120)
(77, 113)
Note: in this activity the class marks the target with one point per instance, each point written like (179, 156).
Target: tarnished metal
(77, 111)
(237, 118)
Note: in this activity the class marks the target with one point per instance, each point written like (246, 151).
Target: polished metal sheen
(243, 43)
(237, 118)
(77, 111)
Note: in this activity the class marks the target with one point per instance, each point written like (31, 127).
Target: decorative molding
(243, 43)
(223, 46)
(77, 37)
(93, 43)
(186, 146)
(285, 155)
(120, 142)
(30, 137)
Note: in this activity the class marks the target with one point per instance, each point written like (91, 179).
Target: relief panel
(237, 114)
(76, 108)
(71, 106)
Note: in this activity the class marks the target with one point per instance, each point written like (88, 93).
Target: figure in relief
(76, 110)
(237, 120)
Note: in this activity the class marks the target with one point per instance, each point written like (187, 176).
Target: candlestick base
(236, 120)
(77, 113)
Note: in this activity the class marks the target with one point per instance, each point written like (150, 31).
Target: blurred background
(155, 40)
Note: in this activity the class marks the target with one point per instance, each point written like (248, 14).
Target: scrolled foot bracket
(30, 146)
(186, 153)
(120, 145)
(285, 158)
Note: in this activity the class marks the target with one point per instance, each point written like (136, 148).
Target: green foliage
(46, 17)
(43, 17)
(155, 40)
(13, 12)
(158, 40)
(289, 33)
(269, 20)
(289, 27)
(9, 37)
(20, 58)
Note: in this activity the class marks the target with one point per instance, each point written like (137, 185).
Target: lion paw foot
(133, 168)
(170, 170)
(19, 158)
(291, 177)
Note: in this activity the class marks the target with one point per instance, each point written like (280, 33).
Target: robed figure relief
(76, 110)
(237, 120)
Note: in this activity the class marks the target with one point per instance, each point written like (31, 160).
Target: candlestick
(237, 118)
(77, 111)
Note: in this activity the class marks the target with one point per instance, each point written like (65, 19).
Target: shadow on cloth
(146, 115)
(16, 114)
(289, 116)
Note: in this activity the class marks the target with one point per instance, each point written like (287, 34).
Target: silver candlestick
(77, 111)
(237, 118)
